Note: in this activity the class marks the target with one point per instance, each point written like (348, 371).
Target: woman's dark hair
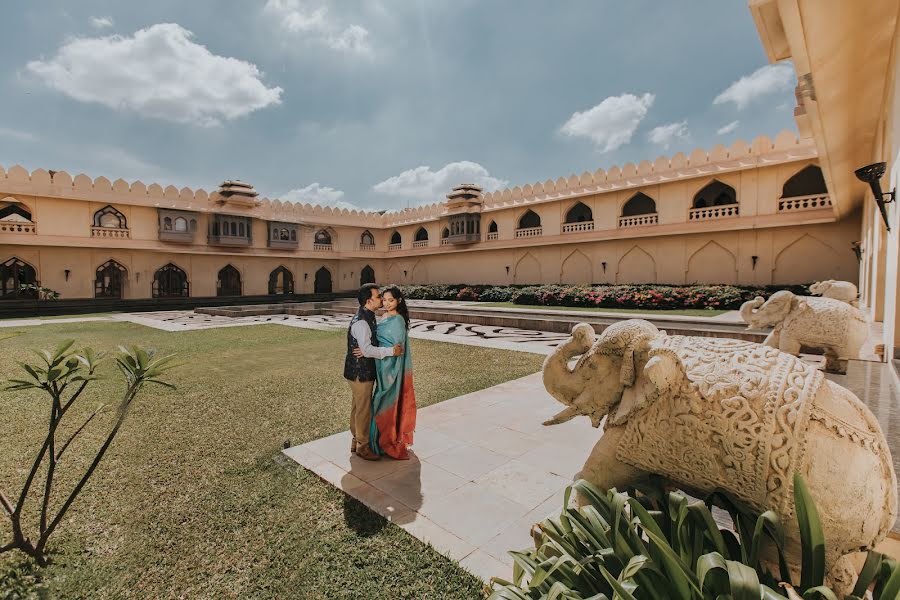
(402, 309)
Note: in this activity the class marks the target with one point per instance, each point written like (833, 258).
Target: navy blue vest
(360, 369)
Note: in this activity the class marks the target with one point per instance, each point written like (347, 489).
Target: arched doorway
(228, 282)
(323, 281)
(15, 273)
(367, 275)
(170, 282)
(110, 281)
(281, 281)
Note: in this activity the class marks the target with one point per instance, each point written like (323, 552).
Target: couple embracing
(379, 368)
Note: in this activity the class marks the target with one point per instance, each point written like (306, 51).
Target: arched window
(422, 235)
(13, 211)
(285, 235)
(15, 273)
(281, 281)
(228, 283)
(445, 233)
(395, 238)
(323, 281)
(109, 217)
(639, 204)
(241, 229)
(193, 224)
(274, 233)
(293, 235)
(323, 237)
(809, 181)
(233, 226)
(579, 213)
(181, 224)
(110, 281)
(215, 228)
(492, 228)
(167, 224)
(715, 193)
(170, 282)
(529, 219)
(367, 239)
(367, 275)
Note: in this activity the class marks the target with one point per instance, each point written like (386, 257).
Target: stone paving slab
(473, 486)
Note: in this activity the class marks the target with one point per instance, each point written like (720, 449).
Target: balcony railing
(228, 240)
(323, 247)
(367, 247)
(120, 233)
(529, 232)
(445, 241)
(798, 203)
(493, 235)
(395, 246)
(420, 244)
(637, 220)
(713, 212)
(576, 227)
(16, 227)
(182, 237)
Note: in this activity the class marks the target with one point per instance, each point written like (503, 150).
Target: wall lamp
(305, 275)
(857, 250)
(871, 174)
(67, 271)
(507, 270)
(603, 264)
(753, 259)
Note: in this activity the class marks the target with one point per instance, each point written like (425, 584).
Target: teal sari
(394, 400)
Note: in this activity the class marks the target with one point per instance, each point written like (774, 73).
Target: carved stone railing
(635, 221)
(575, 227)
(529, 232)
(798, 203)
(111, 232)
(367, 247)
(493, 235)
(323, 247)
(445, 242)
(15, 227)
(420, 244)
(394, 246)
(713, 212)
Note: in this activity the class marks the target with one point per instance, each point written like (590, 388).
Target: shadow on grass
(361, 519)
(20, 577)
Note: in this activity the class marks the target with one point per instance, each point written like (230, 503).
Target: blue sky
(377, 104)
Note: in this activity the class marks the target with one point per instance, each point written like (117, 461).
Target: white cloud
(18, 135)
(728, 128)
(158, 73)
(429, 186)
(664, 135)
(611, 123)
(317, 26)
(318, 194)
(101, 22)
(762, 82)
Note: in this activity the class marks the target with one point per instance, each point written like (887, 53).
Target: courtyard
(193, 499)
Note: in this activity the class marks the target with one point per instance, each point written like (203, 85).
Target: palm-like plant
(63, 375)
(661, 544)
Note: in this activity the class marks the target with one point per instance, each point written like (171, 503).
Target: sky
(377, 104)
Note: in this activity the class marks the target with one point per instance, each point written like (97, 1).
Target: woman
(394, 400)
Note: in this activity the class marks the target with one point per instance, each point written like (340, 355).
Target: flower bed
(645, 296)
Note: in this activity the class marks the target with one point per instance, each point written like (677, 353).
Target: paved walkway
(484, 470)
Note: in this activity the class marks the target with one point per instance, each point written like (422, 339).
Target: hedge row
(646, 296)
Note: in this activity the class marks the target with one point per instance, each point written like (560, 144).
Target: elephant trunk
(749, 308)
(562, 383)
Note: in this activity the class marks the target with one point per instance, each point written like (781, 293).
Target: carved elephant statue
(832, 325)
(722, 414)
(838, 290)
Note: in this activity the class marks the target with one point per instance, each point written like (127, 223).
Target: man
(360, 372)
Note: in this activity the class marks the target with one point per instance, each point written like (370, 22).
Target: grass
(190, 503)
(688, 312)
(53, 317)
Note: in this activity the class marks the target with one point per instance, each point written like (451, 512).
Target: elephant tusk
(565, 415)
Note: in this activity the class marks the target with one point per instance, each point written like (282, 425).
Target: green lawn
(52, 317)
(190, 501)
(688, 312)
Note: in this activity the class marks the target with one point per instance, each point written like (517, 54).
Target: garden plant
(661, 544)
(63, 376)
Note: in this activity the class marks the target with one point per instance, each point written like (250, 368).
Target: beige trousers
(361, 410)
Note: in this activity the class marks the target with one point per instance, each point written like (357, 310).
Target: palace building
(752, 214)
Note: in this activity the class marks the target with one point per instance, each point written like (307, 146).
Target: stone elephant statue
(832, 325)
(734, 416)
(838, 290)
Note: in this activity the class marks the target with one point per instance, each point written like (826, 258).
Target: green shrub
(662, 545)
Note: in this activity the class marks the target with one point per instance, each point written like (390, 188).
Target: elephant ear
(657, 379)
